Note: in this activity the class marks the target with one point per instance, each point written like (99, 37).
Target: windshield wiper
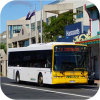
(62, 72)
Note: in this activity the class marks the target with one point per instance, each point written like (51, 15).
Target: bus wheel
(40, 80)
(17, 79)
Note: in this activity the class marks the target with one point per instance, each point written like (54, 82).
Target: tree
(3, 46)
(57, 26)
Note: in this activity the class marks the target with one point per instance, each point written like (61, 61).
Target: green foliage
(57, 26)
(3, 46)
(1, 73)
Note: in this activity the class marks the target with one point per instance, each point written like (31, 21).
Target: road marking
(89, 89)
(47, 90)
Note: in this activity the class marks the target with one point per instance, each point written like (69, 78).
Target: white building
(19, 29)
(3, 56)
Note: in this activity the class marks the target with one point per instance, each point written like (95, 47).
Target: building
(19, 35)
(3, 56)
(94, 41)
(3, 37)
(3, 63)
(19, 29)
(74, 6)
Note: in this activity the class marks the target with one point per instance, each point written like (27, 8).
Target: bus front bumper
(69, 81)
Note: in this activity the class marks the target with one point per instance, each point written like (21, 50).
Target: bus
(49, 63)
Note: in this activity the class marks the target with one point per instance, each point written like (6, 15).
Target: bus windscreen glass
(70, 58)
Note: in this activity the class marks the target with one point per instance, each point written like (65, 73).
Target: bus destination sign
(66, 49)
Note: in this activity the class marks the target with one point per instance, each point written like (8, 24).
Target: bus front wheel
(40, 80)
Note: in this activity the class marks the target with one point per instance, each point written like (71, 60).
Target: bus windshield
(70, 58)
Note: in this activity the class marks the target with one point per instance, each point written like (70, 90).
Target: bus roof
(39, 46)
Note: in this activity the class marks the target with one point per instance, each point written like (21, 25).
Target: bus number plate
(72, 81)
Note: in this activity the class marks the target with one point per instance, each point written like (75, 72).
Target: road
(29, 90)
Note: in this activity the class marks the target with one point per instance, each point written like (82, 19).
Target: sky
(16, 9)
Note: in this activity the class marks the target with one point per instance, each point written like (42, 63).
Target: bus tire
(17, 78)
(40, 80)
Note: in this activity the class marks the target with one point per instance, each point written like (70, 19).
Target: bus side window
(49, 62)
(35, 65)
(31, 64)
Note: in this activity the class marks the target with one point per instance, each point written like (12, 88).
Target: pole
(35, 25)
(41, 21)
(30, 29)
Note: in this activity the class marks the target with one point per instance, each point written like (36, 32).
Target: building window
(22, 43)
(33, 26)
(26, 43)
(79, 12)
(11, 34)
(15, 45)
(17, 28)
(27, 26)
(95, 14)
(39, 29)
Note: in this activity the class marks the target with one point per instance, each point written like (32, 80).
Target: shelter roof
(92, 40)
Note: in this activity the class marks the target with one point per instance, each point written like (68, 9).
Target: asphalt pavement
(28, 90)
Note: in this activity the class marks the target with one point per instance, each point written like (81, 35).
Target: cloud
(17, 2)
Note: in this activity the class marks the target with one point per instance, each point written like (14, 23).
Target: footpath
(97, 82)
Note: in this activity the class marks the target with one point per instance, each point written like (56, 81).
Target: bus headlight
(55, 76)
(86, 76)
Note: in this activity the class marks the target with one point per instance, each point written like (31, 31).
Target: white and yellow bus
(49, 63)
